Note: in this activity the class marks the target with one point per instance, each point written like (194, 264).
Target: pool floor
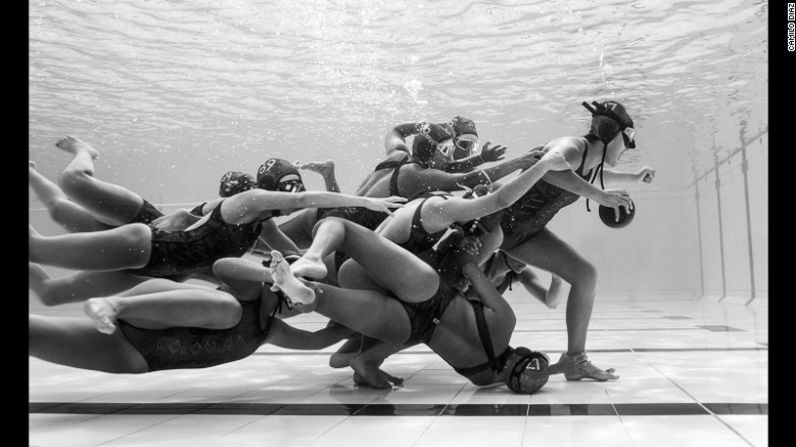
(692, 373)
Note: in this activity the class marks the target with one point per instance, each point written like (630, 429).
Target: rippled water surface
(174, 93)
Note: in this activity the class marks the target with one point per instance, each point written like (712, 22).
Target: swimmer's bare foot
(75, 145)
(357, 345)
(37, 279)
(287, 282)
(36, 275)
(350, 349)
(368, 374)
(309, 267)
(33, 244)
(103, 313)
(324, 168)
(578, 366)
(555, 293)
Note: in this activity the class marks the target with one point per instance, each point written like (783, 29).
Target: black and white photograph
(405, 223)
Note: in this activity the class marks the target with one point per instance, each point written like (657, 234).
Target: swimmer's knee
(72, 180)
(136, 232)
(330, 221)
(227, 315)
(136, 238)
(225, 311)
(586, 273)
(62, 212)
(57, 210)
(48, 296)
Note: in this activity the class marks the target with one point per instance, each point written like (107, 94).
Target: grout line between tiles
(700, 404)
(139, 430)
(622, 421)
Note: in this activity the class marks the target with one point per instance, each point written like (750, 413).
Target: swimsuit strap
(486, 340)
(593, 175)
(505, 259)
(389, 164)
(579, 171)
(512, 274)
(483, 330)
(281, 299)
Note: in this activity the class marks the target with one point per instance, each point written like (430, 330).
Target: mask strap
(483, 331)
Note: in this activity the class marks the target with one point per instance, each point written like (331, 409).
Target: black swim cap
(617, 113)
(462, 125)
(438, 132)
(450, 265)
(526, 370)
(234, 182)
(428, 137)
(605, 128)
(278, 174)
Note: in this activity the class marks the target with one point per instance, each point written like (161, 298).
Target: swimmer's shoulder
(566, 144)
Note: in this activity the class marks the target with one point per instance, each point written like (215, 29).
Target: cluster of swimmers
(401, 261)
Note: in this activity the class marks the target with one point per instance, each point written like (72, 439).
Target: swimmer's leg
(368, 312)
(128, 246)
(78, 286)
(299, 228)
(69, 215)
(285, 281)
(331, 270)
(490, 243)
(110, 203)
(549, 296)
(498, 266)
(326, 170)
(548, 252)
(389, 265)
(75, 342)
(354, 276)
(274, 238)
(533, 284)
(367, 364)
(555, 292)
(161, 303)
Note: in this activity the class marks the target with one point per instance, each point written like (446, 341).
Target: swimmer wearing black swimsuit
(527, 216)
(146, 214)
(425, 316)
(192, 347)
(181, 252)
